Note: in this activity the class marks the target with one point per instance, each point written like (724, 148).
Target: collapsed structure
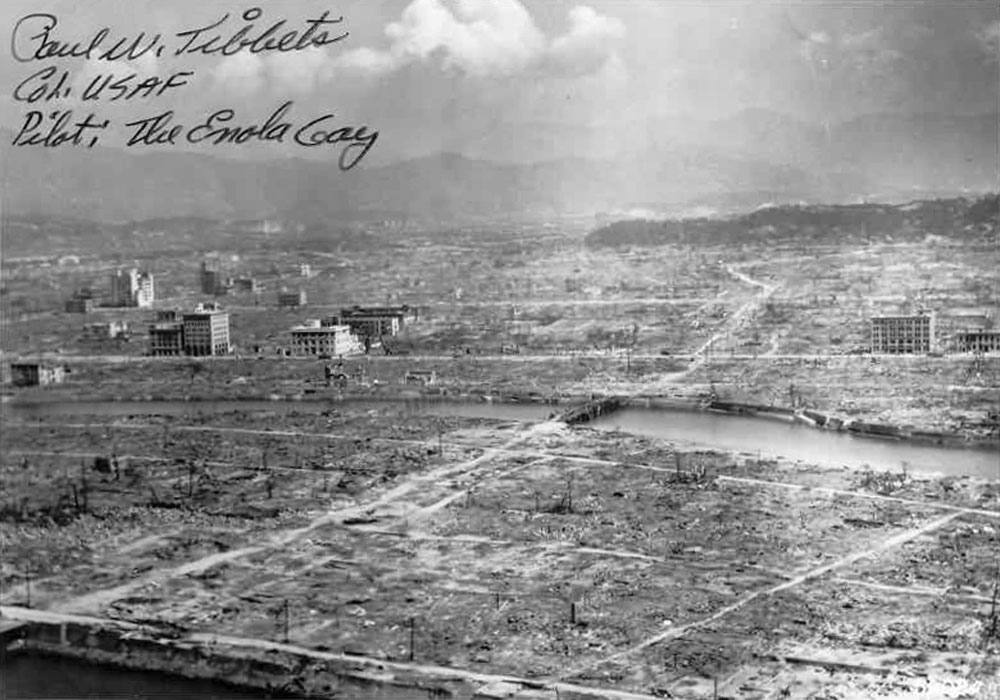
(36, 374)
(980, 340)
(106, 330)
(373, 322)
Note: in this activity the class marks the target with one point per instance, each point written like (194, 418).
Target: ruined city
(451, 426)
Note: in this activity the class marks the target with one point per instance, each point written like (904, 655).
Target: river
(798, 442)
(33, 675)
(745, 434)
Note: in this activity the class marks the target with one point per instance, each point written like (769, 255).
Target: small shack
(420, 377)
(36, 374)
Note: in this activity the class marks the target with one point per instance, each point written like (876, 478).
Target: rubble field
(536, 550)
(200, 484)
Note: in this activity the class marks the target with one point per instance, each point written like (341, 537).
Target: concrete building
(289, 300)
(305, 270)
(206, 331)
(166, 335)
(420, 377)
(317, 338)
(123, 286)
(902, 334)
(245, 284)
(199, 333)
(964, 319)
(977, 340)
(132, 288)
(79, 304)
(212, 281)
(109, 330)
(36, 374)
(376, 321)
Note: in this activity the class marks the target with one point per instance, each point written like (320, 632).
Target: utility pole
(286, 621)
(994, 622)
(412, 636)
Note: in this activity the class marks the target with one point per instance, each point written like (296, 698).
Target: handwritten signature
(217, 129)
(34, 38)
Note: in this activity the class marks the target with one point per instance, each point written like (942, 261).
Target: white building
(316, 338)
(206, 331)
(132, 288)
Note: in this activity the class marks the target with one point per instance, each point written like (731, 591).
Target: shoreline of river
(828, 422)
(273, 669)
(806, 417)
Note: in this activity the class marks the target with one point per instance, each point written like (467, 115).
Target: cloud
(584, 49)
(367, 61)
(872, 50)
(489, 38)
(475, 38)
(242, 73)
(868, 53)
(989, 39)
(298, 72)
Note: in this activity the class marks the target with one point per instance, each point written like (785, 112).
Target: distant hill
(110, 185)
(960, 218)
(752, 158)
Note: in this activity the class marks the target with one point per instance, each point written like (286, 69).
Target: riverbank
(570, 408)
(927, 398)
(817, 419)
(269, 671)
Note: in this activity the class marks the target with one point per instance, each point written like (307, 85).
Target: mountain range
(667, 165)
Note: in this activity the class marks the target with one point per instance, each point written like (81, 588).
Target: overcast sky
(417, 68)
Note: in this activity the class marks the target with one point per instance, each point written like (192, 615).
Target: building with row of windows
(245, 284)
(206, 331)
(36, 374)
(211, 281)
(964, 330)
(132, 288)
(82, 302)
(324, 338)
(902, 334)
(199, 333)
(978, 340)
(106, 330)
(292, 299)
(373, 322)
